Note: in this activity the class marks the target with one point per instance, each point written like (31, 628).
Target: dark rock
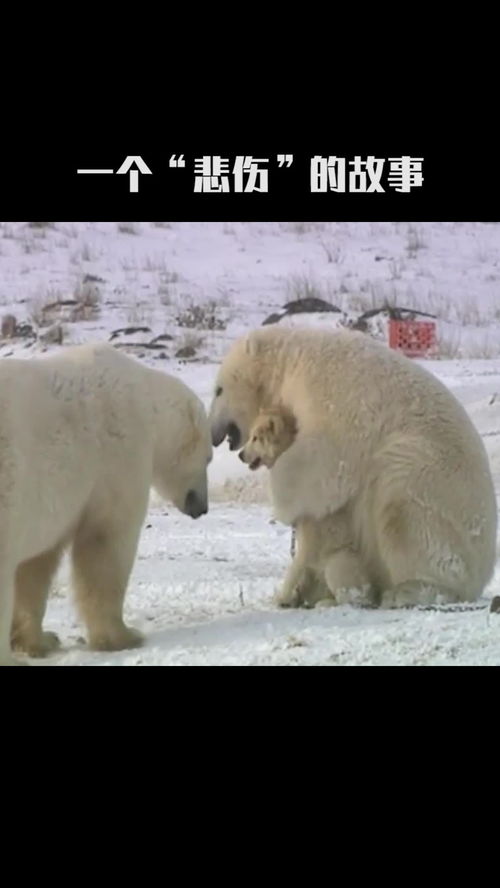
(129, 331)
(360, 325)
(395, 313)
(187, 352)
(163, 337)
(93, 279)
(309, 304)
(273, 318)
(25, 330)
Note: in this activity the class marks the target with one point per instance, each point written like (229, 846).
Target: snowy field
(202, 590)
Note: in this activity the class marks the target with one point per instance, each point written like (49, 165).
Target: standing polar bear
(84, 435)
(387, 479)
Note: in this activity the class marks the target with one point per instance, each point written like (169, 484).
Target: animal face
(237, 396)
(272, 433)
(181, 462)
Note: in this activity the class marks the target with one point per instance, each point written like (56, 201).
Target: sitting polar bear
(84, 435)
(386, 467)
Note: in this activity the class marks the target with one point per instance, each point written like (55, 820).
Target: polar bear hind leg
(348, 580)
(421, 558)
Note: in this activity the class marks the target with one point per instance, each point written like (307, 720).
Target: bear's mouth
(255, 464)
(233, 436)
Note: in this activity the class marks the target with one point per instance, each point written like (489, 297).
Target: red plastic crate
(416, 339)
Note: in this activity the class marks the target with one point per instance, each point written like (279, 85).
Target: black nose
(195, 505)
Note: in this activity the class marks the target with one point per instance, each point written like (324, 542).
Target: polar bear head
(239, 393)
(273, 432)
(183, 450)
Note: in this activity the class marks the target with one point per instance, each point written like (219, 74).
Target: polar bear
(382, 448)
(84, 435)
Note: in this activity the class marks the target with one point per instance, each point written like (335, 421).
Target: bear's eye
(218, 391)
(254, 438)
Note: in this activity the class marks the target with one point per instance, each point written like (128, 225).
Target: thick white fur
(83, 436)
(386, 461)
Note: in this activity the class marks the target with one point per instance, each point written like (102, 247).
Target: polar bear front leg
(348, 580)
(302, 585)
(289, 594)
(102, 562)
(309, 480)
(419, 592)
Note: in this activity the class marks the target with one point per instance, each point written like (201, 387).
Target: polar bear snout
(195, 505)
(230, 430)
(219, 432)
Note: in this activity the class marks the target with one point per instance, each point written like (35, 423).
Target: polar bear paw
(116, 639)
(39, 645)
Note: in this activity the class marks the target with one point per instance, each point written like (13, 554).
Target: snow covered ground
(201, 591)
